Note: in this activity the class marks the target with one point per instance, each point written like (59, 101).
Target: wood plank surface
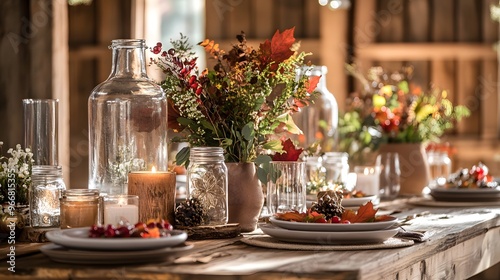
(463, 242)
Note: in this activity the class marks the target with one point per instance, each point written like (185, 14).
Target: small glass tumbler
(80, 208)
(286, 189)
(389, 176)
(121, 209)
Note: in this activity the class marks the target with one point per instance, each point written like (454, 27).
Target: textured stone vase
(245, 197)
(415, 172)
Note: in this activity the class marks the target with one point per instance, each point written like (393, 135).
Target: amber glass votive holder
(80, 208)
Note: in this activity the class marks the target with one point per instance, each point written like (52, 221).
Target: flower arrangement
(244, 103)
(393, 110)
(15, 175)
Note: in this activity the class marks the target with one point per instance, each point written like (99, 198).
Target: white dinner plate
(358, 201)
(331, 238)
(77, 238)
(333, 227)
(62, 254)
(465, 194)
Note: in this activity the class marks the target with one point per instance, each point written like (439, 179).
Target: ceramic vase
(245, 196)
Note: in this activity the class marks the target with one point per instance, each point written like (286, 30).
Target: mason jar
(207, 182)
(439, 166)
(44, 194)
(315, 174)
(337, 168)
(80, 208)
(127, 121)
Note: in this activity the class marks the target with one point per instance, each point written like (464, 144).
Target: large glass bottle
(127, 121)
(318, 121)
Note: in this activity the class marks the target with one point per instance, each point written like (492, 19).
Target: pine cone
(190, 213)
(329, 204)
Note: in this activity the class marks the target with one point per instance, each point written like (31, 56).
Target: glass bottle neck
(128, 59)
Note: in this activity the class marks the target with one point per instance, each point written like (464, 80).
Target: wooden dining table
(462, 240)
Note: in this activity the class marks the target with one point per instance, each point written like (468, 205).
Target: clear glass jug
(127, 121)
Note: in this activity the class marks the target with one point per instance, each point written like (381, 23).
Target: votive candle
(121, 209)
(367, 179)
(79, 208)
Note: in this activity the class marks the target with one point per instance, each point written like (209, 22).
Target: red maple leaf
(281, 44)
(278, 49)
(290, 152)
(365, 213)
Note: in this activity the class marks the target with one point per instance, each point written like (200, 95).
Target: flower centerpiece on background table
(15, 180)
(393, 114)
(242, 104)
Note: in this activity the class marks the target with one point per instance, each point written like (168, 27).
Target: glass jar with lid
(46, 189)
(127, 121)
(80, 208)
(207, 181)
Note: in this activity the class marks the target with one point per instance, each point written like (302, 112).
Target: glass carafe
(319, 120)
(127, 121)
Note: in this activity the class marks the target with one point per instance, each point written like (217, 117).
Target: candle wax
(114, 213)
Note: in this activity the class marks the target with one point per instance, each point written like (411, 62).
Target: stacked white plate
(330, 234)
(74, 246)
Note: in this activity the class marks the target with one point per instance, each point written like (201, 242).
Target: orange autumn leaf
(365, 213)
(291, 216)
(384, 218)
(312, 83)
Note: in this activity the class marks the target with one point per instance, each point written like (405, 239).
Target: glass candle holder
(79, 208)
(121, 209)
(368, 179)
(44, 194)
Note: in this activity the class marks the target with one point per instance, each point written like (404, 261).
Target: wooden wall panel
(263, 24)
(239, 19)
(468, 91)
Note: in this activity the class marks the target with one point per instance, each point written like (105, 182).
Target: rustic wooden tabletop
(463, 241)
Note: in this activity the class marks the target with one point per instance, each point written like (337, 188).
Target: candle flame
(153, 169)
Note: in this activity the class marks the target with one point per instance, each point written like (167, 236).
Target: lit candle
(121, 208)
(156, 191)
(79, 208)
(367, 179)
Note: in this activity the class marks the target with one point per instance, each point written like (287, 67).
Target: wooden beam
(426, 51)
(334, 50)
(60, 81)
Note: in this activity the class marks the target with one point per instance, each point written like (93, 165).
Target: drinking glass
(40, 130)
(390, 176)
(286, 189)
